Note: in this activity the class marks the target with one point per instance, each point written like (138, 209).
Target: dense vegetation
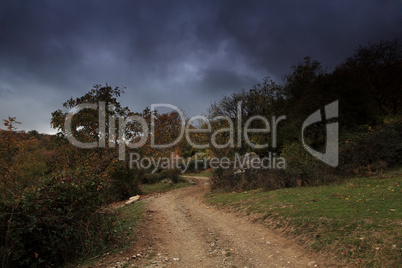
(366, 85)
(54, 195)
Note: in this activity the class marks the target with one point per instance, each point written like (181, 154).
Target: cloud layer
(186, 53)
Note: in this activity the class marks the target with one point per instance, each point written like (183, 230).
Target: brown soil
(180, 230)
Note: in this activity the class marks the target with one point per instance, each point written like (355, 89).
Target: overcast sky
(185, 53)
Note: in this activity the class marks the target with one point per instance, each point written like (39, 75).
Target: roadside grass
(126, 226)
(205, 173)
(161, 187)
(124, 233)
(359, 219)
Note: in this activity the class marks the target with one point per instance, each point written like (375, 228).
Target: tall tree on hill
(85, 125)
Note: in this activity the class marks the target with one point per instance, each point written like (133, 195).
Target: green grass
(359, 220)
(126, 226)
(162, 187)
(205, 173)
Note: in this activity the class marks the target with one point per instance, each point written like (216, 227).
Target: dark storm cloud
(281, 34)
(187, 53)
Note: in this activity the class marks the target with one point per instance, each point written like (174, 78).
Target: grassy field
(359, 220)
(162, 187)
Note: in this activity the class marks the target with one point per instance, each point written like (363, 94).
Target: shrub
(58, 222)
(303, 169)
(151, 178)
(123, 183)
(172, 174)
(380, 146)
(248, 179)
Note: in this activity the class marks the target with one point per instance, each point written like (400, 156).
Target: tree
(301, 78)
(377, 68)
(85, 125)
(267, 99)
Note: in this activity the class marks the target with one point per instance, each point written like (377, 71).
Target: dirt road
(182, 231)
